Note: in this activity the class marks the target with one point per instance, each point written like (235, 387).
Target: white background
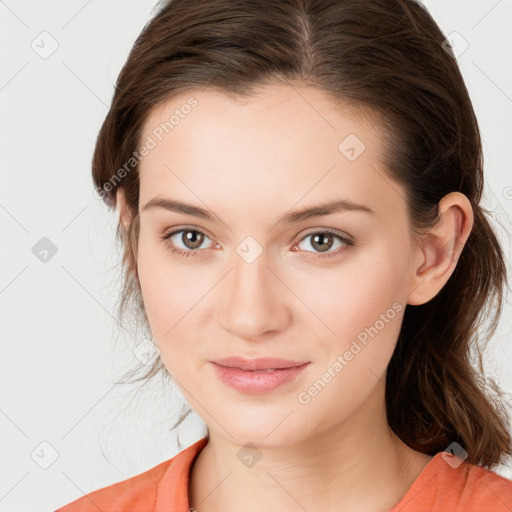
(58, 361)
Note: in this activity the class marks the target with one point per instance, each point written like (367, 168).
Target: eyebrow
(295, 216)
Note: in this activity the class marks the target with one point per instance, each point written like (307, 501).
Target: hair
(388, 57)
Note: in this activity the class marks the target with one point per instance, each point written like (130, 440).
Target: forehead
(279, 108)
(284, 141)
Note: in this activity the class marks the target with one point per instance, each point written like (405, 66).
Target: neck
(359, 464)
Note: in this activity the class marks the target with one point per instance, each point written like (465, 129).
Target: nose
(253, 300)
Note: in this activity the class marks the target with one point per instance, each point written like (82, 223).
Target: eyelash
(193, 252)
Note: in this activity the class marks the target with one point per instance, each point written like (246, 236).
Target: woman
(298, 186)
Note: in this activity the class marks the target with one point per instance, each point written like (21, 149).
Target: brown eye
(322, 242)
(192, 239)
(186, 242)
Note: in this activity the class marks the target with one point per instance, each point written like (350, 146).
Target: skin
(249, 162)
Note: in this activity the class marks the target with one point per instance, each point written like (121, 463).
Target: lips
(257, 376)
(265, 364)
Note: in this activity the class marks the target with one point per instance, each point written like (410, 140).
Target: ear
(124, 214)
(437, 252)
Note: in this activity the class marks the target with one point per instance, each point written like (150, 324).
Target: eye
(189, 238)
(188, 241)
(322, 241)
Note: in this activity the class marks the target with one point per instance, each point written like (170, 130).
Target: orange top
(446, 484)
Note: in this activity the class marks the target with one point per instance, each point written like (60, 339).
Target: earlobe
(439, 250)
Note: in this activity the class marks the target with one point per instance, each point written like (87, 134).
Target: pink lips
(255, 376)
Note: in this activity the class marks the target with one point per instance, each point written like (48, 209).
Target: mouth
(260, 365)
(256, 376)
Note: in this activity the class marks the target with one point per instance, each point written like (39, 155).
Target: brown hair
(388, 57)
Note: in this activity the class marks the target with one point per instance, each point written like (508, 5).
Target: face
(247, 278)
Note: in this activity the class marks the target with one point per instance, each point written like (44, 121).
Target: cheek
(174, 295)
(355, 325)
(165, 301)
(165, 288)
(340, 303)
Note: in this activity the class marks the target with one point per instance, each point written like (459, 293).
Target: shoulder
(483, 489)
(142, 491)
(450, 484)
(138, 490)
